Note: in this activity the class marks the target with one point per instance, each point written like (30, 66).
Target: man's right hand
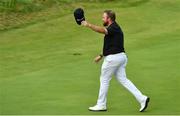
(97, 59)
(84, 23)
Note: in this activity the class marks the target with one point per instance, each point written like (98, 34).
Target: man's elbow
(104, 31)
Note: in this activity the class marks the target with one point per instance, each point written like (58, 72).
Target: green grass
(40, 75)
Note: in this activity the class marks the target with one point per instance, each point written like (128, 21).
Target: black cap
(79, 15)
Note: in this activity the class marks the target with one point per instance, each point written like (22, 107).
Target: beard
(105, 24)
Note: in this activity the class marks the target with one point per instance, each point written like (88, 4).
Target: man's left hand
(97, 59)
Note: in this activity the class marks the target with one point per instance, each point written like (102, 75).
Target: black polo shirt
(113, 40)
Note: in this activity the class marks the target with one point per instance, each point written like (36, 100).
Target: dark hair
(110, 14)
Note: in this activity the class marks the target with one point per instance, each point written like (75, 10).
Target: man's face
(105, 19)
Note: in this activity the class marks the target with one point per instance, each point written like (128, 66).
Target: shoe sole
(98, 110)
(146, 105)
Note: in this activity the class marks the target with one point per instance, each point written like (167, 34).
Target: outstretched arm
(95, 28)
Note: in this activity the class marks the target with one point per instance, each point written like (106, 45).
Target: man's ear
(109, 19)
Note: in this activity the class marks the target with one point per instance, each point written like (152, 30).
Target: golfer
(115, 61)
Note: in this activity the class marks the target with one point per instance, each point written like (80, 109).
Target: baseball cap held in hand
(79, 15)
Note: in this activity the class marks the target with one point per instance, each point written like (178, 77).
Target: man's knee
(122, 79)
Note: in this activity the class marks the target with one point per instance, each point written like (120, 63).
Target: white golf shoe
(144, 104)
(98, 108)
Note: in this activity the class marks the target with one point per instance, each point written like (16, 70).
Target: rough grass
(26, 12)
(40, 73)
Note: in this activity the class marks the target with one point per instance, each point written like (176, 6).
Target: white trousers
(115, 65)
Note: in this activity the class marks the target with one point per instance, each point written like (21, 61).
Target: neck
(110, 23)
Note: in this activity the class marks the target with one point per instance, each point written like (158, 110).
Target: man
(115, 61)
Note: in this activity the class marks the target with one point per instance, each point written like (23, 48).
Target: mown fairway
(47, 68)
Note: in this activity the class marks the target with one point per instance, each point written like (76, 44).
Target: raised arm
(95, 28)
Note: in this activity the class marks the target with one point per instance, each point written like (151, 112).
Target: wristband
(101, 55)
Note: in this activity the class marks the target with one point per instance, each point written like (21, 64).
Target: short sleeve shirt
(113, 40)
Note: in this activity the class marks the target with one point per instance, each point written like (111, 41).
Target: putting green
(47, 68)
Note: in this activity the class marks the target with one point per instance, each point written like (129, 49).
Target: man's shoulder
(114, 25)
(114, 28)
